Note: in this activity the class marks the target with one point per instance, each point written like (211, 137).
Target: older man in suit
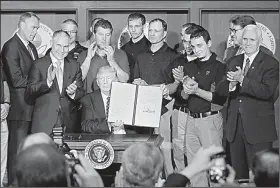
(18, 55)
(54, 84)
(252, 79)
(95, 105)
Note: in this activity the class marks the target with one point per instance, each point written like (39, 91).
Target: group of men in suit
(51, 91)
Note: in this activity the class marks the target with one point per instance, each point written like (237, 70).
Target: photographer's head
(142, 164)
(41, 165)
(36, 138)
(265, 168)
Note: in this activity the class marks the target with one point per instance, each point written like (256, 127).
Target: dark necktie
(107, 112)
(247, 66)
(107, 107)
(30, 50)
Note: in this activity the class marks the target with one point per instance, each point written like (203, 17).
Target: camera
(219, 170)
(71, 160)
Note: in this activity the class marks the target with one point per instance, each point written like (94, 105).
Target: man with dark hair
(150, 69)
(174, 76)
(237, 23)
(54, 86)
(18, 55)
(265, 168)
(105, 54)
(138, 42)
(91, 37)
(204, 119)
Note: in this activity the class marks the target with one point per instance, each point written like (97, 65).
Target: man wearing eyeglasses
(237, 23)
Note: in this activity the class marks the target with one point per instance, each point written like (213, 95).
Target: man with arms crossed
(18, 55)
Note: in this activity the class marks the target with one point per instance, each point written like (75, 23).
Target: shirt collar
(252, 57)
(162, 49)
(138, 39)
(54, 61)
(24, 41)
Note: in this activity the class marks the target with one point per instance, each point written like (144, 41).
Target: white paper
(149, 104)
(122, 102)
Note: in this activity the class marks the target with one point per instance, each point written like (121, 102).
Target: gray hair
(255, 28)
(25, 16)
(106, 68)
(142, 164)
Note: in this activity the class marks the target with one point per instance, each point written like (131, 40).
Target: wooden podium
(119, 142)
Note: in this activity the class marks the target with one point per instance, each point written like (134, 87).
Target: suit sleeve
(11, 59)
(90, 122)
(35, 86)
(265, 88)
(80, 85)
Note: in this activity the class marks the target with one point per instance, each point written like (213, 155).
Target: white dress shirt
(104, 98)
(251, 58)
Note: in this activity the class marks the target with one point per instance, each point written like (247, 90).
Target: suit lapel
(99, 106)
(23, 47)
(255, 63)
(66, 75)
(55, 84)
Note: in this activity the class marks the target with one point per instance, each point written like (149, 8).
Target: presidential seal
(268, 38)
(125, 35)
(100, 153)
(42, 40)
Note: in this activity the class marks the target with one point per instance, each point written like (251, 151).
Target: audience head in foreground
(142, 164)
(41, 165)
(265, 168)
(36, 138)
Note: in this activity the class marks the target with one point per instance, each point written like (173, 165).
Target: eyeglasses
(71, 32)
(234, 30)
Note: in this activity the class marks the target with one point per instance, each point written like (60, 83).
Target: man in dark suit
(54, 84)
(237, 24)
(18, 55)
(95, 105)
(251, 80)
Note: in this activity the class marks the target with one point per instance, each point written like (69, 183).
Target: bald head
(36, 138)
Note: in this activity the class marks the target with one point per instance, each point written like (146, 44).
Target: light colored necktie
(247, 66)
(59, 76)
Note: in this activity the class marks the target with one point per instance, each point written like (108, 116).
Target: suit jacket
(93, 116)
(17, 62)
(48, 101)
(253, 100)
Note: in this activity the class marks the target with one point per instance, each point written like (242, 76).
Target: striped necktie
(247, 66)
(30, 50)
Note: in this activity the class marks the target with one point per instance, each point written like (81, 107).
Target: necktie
(30, 50)
(107, 112)
(107, 107)
(247, 66)
(59, 76)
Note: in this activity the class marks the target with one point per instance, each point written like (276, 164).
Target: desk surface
(118, 141)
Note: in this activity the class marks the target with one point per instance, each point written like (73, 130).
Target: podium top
(118, 141)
